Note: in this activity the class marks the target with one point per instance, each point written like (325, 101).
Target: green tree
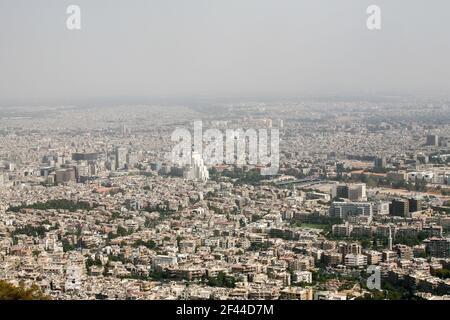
(11, 292)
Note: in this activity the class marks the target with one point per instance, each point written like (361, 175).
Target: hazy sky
(146, 48)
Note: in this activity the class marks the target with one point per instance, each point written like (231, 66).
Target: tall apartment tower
(357, 192)
(121, 157)
(380, 162)
(197, 170)
(342, 191)
(399, 207)
(414, 205)
(432, 140)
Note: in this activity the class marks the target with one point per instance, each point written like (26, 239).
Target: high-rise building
(373, 257)
(132, 159)
(438, 247)
(357, 192)
(433, 230)
(342, 191)
(381, 208)
(380, 163)
(65, 176)
(344, 210)
(432, 140)
(389, 256)
(342, 230)
(332, 258)
(111, 163)
(354, 192)
(121, 157)
(404, 252)
(399, 207)
(414, 205)
(355, 260)
(347, 248)
(124, 130)
(197, 170)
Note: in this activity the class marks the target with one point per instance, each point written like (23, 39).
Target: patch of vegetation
(91, 262)
(241, 177)
(31, 231)
(121, 232)
(62, 204)
(314, 226)
(442, 273)
(256, 246)
(11, 292)
(118, 258)
(222, 281)
(324, 223)
(67, 246)
(389, 292)
(148, 244)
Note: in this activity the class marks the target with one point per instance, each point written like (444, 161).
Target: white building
(197, 170)
(355, 260)
(160, 261)
(73, 278)
(421, 175)
(344, 210)
(329, 295)
(381, 208)
(303, 276)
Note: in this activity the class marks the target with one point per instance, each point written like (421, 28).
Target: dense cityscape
(91, 207)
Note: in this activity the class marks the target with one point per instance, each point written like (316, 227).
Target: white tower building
(197, 170)
(390, 239)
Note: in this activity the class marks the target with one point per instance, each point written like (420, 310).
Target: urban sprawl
(92, 208)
